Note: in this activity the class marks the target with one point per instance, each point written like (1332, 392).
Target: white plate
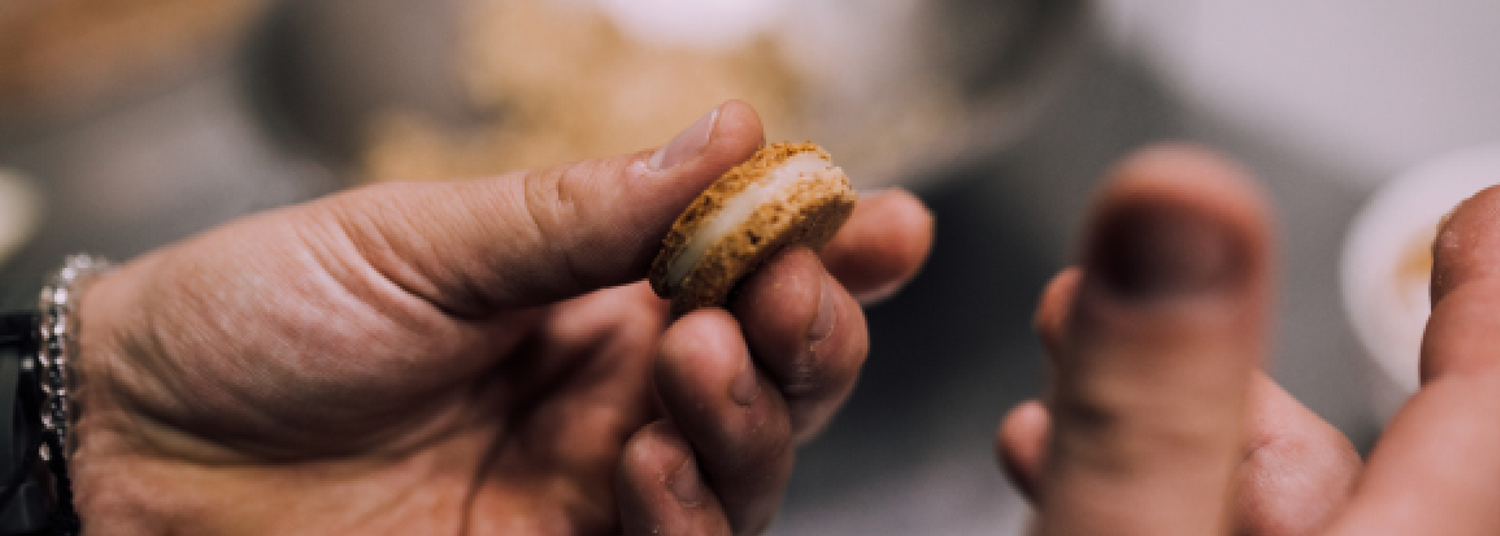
(1386, 265)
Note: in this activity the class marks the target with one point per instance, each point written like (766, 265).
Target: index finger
(1437, 468)
(882, 246)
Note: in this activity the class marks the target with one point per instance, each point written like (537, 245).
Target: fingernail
(745, 387)
(687, 144)
(823, 322)
(686, 485)
(1143, 251)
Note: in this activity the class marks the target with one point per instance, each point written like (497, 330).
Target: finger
(1051, 318)
(1296, 472)
(1023, 433)
(806, 332)
(731, 414)
(1298, 469)
(1436, 469)
(882, 246)
(660, 490)
(1161, 342)
(1022, 440)
(534, 237)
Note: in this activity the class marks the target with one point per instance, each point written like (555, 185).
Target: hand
(473, 357)
(1158, 420)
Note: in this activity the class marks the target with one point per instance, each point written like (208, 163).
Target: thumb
(532, 237)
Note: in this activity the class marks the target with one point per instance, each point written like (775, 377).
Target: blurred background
(125, 125)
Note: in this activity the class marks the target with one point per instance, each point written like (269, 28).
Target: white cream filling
(736, 210)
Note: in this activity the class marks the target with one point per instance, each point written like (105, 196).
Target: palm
(516, 419)
(576, 390)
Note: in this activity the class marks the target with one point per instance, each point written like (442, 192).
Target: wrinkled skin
(471, 357)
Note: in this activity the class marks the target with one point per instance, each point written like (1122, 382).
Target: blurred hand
(472, 357)
(1158, 420)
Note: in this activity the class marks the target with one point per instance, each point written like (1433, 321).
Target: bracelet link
(58, 344)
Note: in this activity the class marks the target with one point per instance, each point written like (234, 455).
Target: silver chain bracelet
(59, 344)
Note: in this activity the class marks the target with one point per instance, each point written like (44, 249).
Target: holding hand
(474, 357)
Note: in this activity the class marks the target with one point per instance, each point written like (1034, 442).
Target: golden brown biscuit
(787, 194)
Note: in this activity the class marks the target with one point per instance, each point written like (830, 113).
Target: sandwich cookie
(787, 194)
